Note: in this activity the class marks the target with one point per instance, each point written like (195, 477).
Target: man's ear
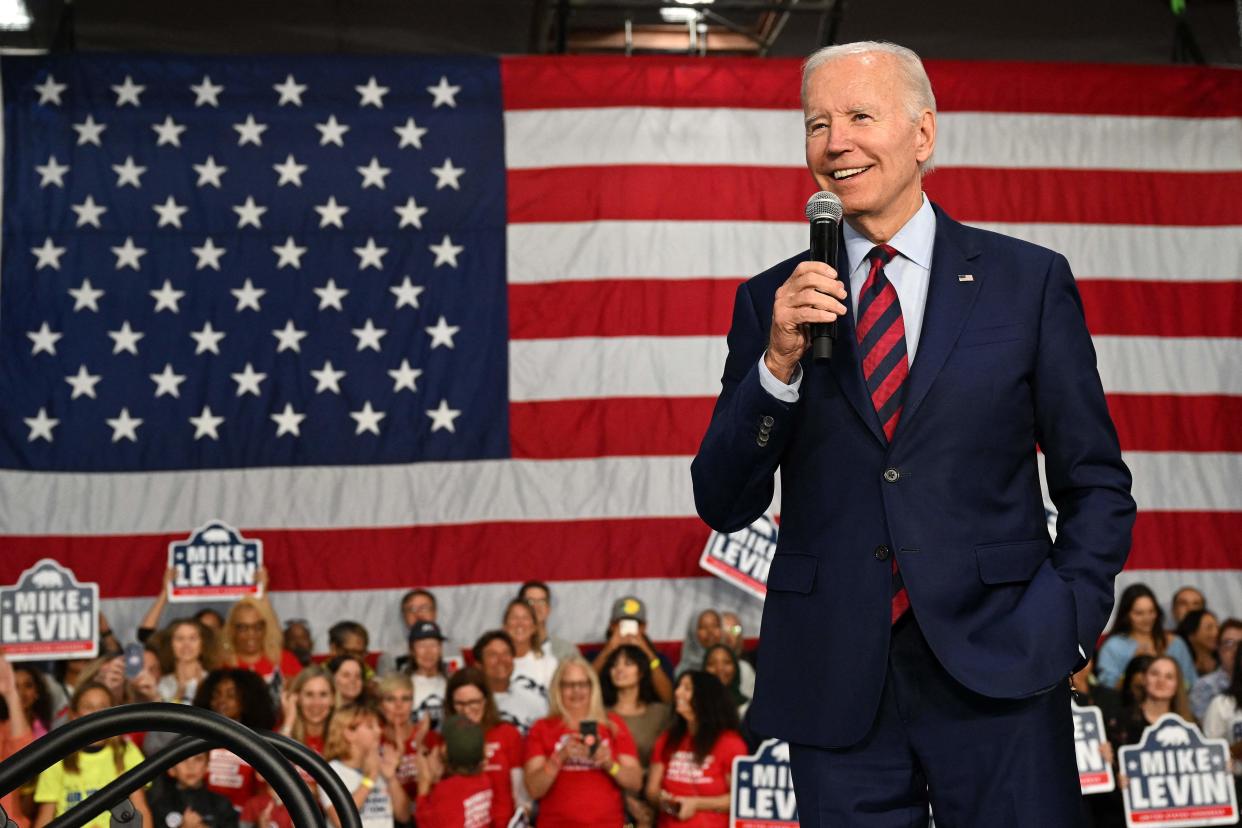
(925, 136)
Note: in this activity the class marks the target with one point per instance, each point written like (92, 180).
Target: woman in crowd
(306, 707)
(348, 679)
(252, 640)
(78, 775)
(1163, 691)
(426, 670)
(187, 652)
(693, 759)
(353, 751)
(530, 658)
(1223, 720)
(15, 734)
(36, 698)
(580, 758)
(704, 631)
(722, 663)
(242, 696)
(1201, 632)
(1139, 630)
(628, 691)
(400, 734)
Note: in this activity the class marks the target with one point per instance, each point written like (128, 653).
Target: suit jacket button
(762, 440)
(768, 421)
(891, 475)
(881, 553)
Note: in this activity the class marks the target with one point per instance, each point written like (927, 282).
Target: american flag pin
(965, 277)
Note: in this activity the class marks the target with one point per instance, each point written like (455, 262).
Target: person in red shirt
(453, 790)
(580, 758)
(692, 761)
(241, 696)
(396, 694)
(306, 706)
(252, 639)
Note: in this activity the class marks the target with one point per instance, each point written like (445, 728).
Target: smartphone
(590, 734)
(133, 660)
(627, 626)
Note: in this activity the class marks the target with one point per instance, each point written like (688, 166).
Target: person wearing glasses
(252, 640)
(539, 595)
(580, 760)
(400, 731)
(1214, 683)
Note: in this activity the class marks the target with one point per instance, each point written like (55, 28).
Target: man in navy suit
(920, 626)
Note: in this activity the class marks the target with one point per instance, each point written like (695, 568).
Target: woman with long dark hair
(1139, 630)
(692, 761)
(187, 652)
(722, 663)
(629, 691)
(1201, 632)
(35, 697)
(241, 695)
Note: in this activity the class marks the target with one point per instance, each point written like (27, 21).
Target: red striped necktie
(882, 345)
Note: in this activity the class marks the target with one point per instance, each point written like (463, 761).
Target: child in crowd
(453, 790)
(353, 751)
(183, 801)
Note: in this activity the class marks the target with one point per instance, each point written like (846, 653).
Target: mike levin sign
(743, 558)
(49, 615)
(1174, 776)
(214, 562)
(763, 792)
(1094, 774)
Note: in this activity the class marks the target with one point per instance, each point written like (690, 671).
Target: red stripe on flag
(972, 86)
(1185, 540)
(629, 426)
(1165, 422)
(621, 307)
(1124, 307)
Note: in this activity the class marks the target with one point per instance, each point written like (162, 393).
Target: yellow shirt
(58, 785)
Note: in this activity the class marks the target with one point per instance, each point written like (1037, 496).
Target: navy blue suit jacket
(1004, 364)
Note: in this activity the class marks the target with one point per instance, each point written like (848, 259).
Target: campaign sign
(743, 558)
(214, 562)
(49, 615)
(762, 790)
(1094, 774)
(1174, 776)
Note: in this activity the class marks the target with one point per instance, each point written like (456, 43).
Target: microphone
(823, 211)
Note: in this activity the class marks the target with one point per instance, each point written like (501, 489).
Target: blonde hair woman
(580, 759)
(252, 639)
(353, 751)
(306, 706)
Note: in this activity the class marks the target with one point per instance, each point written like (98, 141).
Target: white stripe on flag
(1167, 365)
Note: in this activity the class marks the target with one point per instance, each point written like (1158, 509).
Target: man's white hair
(919, 95)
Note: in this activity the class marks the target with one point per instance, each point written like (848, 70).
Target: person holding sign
(1162, 692)
(914, 558)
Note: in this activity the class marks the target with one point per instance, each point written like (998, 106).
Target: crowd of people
(521, 722)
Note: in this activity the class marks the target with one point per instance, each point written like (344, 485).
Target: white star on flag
(53, 172)
(48, 255)
(88, 212)
(128, 254)
(206, 92)
(442, 417)
(129, 173)
(86, 296)
(446, 252)
(290, 91)
(331, 213)
(208, 339)
(288, 421)
(410, 213)
(209, 172)
(327, 379)
(40, 426)
(373, 174)
(250, 132)
(290, 172)
(90, 132)
(128, 92)
(406, 293)
(83, 383)
(442, 333)
(169, 132)
(208, 255)
(248, 296)
(49, 91)
(166, 298)
(168, 382)
(170, 212)
(289, 254)
(372, 94)
(205, 424)
(410, 133)
(330, 296)
(404, 376)
(368, 419)
(124, 427)
(332, 132)
(446, 175)
(249, 213)
(370, 255)
(289, 338)
(445, 93)
(248, 381)
(43, 340)
(126, 339)
(369, 336)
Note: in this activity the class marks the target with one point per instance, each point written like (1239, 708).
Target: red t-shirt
(315, 743)
(289, 666)
(581, 794)
(407, 771)
(502, 749)
(457, 802)
(685, 777)
(230, 775)
(253, 810)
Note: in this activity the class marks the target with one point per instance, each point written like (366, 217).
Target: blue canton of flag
(217, 263)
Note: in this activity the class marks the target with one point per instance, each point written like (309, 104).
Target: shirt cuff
(782, 391)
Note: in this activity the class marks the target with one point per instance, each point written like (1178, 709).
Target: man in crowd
(1186, 599)
(519, 701)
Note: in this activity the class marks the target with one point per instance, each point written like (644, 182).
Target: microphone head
(824, 206)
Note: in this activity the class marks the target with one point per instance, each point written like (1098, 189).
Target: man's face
(297, 638)
(497, 660)
(1186, 600)
(351, 644)
(418, 608)
(537, 597)
(861, 142)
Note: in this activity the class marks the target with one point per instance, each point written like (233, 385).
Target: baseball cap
(425, 629)
(463, 742)
(629, 607)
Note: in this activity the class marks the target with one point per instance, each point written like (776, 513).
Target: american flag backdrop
(457, 323)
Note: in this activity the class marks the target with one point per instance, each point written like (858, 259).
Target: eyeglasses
(575, 685)
(538, 601)
(257, 626)
(1229, 643)
(479, 702)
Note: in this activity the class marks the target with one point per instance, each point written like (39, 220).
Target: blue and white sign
(762, 789)
(214, 562)
(743, 558)
(49, 615)
(1174, 776)
(1094, 774)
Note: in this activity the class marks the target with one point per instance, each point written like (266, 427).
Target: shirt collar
(914, 240)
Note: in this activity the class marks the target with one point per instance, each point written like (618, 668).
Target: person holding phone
(627, 624)
(580, 759)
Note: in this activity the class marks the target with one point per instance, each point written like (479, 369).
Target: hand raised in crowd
(812, 293)
(1106, 751)
(288, 707)
(388, 762)
(261, 577)
(422, 729)
(8, 683)
(170, 575)
(143, 686)
(428, 767)
(371, 764)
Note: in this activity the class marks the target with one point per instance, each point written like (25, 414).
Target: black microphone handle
(823, 249)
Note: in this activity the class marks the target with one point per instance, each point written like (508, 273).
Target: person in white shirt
(1223, 719)
(531, 660)
(426, 669)
(517, 698)
(354, 753)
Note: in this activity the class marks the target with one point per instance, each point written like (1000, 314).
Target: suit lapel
(846, 365)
